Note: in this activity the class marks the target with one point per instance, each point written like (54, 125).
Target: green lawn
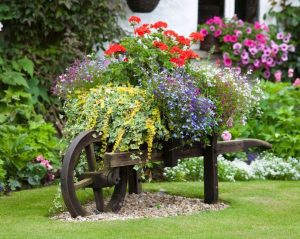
(259, 209)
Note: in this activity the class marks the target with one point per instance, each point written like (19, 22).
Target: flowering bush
(148, 89)
(234, 95)
(278, 121)
(247, 46)
(266, 166)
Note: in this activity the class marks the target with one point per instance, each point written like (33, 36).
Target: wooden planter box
(209, 42)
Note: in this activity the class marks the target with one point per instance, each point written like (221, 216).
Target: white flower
(1, 26)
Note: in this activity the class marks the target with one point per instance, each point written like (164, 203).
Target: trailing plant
(279, 120)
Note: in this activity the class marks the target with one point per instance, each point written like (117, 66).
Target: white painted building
(183, 16)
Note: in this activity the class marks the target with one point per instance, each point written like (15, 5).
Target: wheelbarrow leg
(134, 181)
(211, 172)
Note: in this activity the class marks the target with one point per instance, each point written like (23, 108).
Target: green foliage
(279, 120)
(23, 143)
(54, 33)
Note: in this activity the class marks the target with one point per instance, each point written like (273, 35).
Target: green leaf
(13, 78)
(27, 65)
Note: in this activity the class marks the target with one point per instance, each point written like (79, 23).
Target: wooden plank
(134, 180)
(112, 160)
(240, 145)
(211, 192)
(83, 183)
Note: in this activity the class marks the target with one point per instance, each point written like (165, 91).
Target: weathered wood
(134, 180)
(80, 144)
(83, 183)
(112, 160)
(211, 192)
(240, 145)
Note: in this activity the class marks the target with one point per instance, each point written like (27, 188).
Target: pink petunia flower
(278, 75)
(227, 38)
(248, 30)
(290, 72)
(218, 32)
(280, 35)
(233, 38)
(226, 135)
(212, 28)
(267, 74)
(237, 46)
(227, 62)
(297, 82)
(256, 63)
(204, 32)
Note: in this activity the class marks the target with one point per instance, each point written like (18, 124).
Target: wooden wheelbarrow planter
(118, 169)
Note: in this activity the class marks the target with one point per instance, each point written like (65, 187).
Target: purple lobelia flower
(188, 113)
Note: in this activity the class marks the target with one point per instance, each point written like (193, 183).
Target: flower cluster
(87, 72)
(248, 46)
(49, 176)
(264, 167)
(170, 46)
(189, 114)
(235, 95)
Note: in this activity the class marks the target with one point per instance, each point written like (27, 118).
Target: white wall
(181, 15)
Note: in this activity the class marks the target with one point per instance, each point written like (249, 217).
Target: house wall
(182, 15)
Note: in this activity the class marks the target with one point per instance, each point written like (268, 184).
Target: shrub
(20, 149)
(279, 120)
(54, 33)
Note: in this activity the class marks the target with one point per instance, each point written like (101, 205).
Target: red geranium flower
(160, 45)
(115, 48)
(175, 49)
(142, 30)
(179, 61)
(189, 54)
(183, 41)
(134, 20)
(159, 24)
(197, 36)
(170, 33)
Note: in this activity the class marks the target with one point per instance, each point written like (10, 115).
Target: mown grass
(258, 209)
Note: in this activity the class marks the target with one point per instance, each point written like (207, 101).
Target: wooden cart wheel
(83, 148)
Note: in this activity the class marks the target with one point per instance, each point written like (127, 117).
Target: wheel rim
(85, 142)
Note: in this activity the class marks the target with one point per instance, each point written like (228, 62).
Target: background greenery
(279, 120)
(39, 39)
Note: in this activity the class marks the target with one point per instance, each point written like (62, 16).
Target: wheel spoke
(83, 183)
(91, 158)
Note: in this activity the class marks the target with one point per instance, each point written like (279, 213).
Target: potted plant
(148, 90)
(246, 46)
(142, 6)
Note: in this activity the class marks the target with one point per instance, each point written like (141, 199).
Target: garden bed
(146, 205)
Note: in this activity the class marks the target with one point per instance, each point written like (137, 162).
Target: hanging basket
(209, 42)
(142, 5)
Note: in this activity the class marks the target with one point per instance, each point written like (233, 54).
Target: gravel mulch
(146, 205)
